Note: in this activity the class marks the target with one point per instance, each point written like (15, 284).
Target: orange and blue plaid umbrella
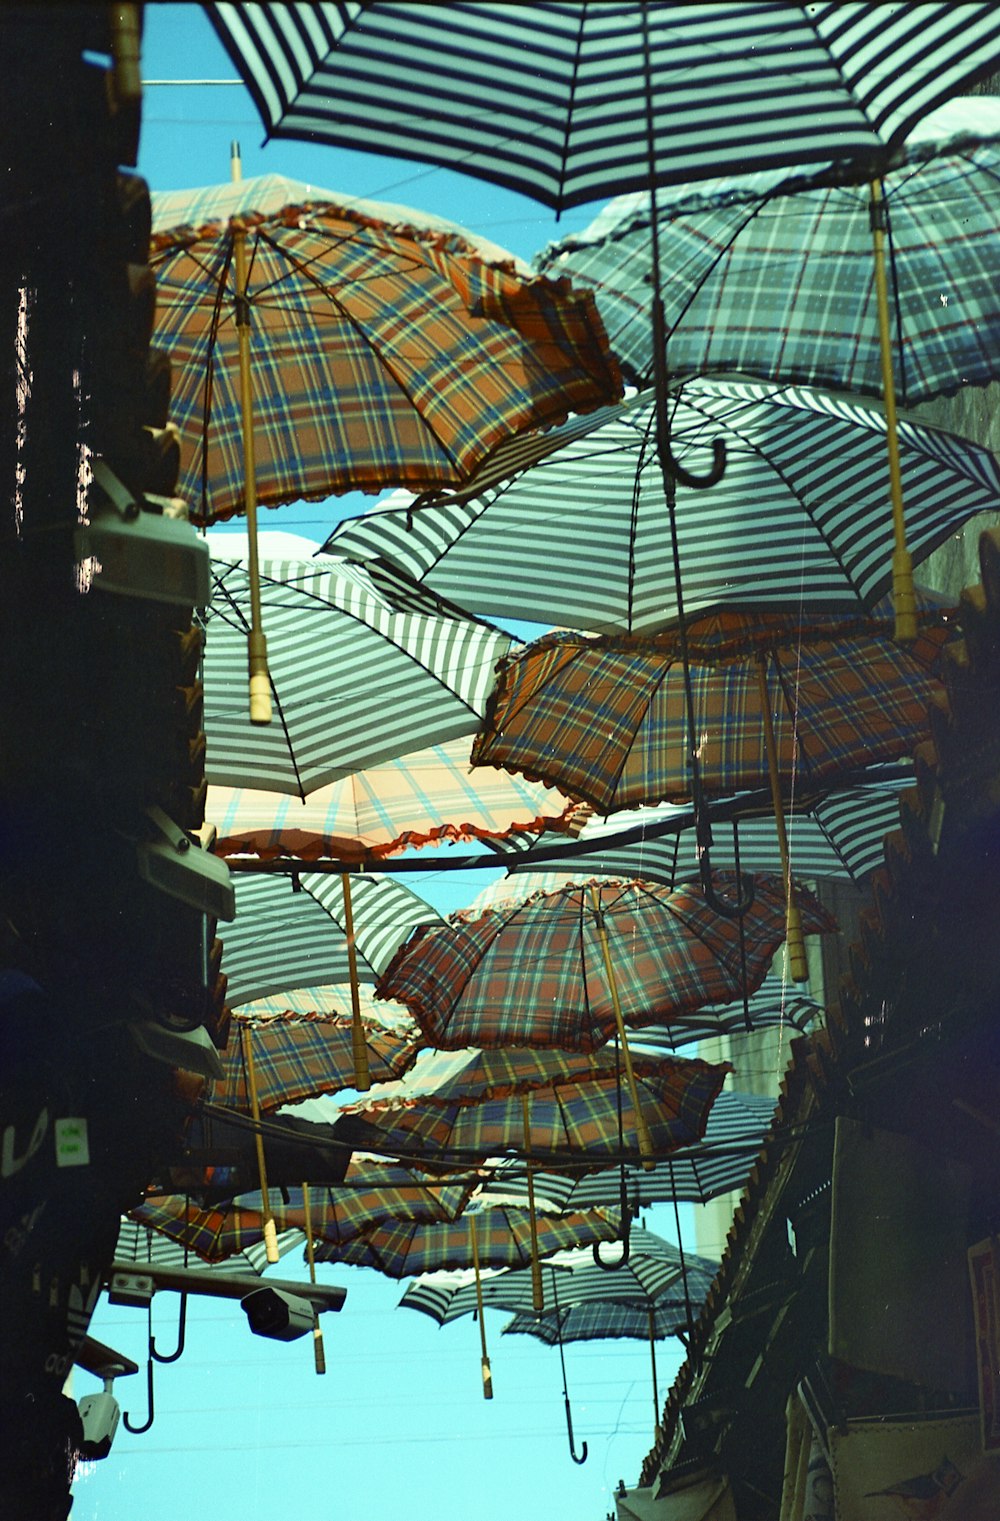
(388, 348)
(605, 719)
(579, 1120)
(423, 798)
(503, 1239)
(532, 973)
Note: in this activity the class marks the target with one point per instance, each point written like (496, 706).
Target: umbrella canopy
(718, 1164)
(583, 1121)
(287, 938)
(612, 1320)
(550, 99)
(781, 285)
(653, 1270)
(533, 973)
(606, 719)
(299, 1056)
(336, 1214)
(503, 1239)
(142, 1243)
(386, 348)
(581, 536)
(364, 666)
(419, 799)
(839, 834)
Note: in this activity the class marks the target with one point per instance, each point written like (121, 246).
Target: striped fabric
(800, 520)
(336, 1214)
(419, 799)
(333, 1002)
(365, 666)
(383, 352)
(718, 1164)
(282, 939)
(503, 1239)
(606, 719)
(840, 834)
(572, 1122)
(299, 1056)
(548, 98)
(652, 1272)
(532, 974)
(609, 1321)
(721, 245)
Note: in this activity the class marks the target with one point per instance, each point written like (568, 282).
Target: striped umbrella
(419, 799)
(365, 666)
(534, 972)
(387, 347)
(299, 1056)
(839, 834)
(286, 938)
(551, 99)
(581, 536)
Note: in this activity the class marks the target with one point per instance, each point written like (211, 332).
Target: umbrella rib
(791, 709)
(379, 358)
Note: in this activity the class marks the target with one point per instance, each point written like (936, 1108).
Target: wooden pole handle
(798, 965)
(270, 1231)
(646, 1155)
(359, 1041)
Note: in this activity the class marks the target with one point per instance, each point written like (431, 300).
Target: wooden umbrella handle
(487, 1372)
(270, 1230)
(646, 1155)
(318, 1352)
(798, 966)
(359, 1042)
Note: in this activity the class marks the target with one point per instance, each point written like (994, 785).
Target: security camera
(100, 1414)
(175, 864)
(278, 1314)
(141, 553)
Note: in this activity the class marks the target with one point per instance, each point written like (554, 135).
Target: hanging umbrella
(534, 973)
(762, 282)
(365, 665)
(550, 100)
(299, 1056)
(870, 80)
(838, 834)
(138, 1243)
(581, 536)
(424, 798)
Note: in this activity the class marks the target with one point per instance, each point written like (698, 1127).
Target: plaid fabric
(572, 1119)
(503, 1239)
(141, 1243)
(469, 1077)
(365, 665)
(606, 720)
(652, 1271)
(298, 1056)
(799, 520)
(533, 974)
(782, 286)
(383, 354)
(420, 799)
(336, 1214)
(594, 1321)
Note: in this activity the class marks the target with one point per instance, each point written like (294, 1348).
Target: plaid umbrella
(533, 973)
(140, 1243)
(782, 286)
(298, 1056)
(605, 718)
(336, 1214)
(364, 666)
(500, 1236)
(578, 532)
(550, 100)
(419, 799)
(387, 348)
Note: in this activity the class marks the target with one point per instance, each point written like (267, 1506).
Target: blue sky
(244, 1429)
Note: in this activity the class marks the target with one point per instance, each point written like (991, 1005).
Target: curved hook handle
(162, 1357)
(721, 905)
(612, 1267)
(138, 1430)
(569, 1432)
(697, 482)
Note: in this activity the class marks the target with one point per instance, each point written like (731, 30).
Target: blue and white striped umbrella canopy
(283, 938)
(550, 98)
(800, 520)
(841, 835)
(365, 666)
